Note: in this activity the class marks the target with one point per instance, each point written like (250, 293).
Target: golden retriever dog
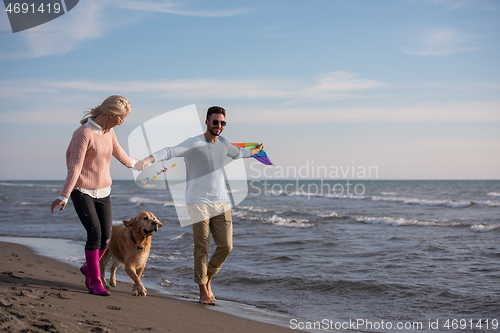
(129, 247)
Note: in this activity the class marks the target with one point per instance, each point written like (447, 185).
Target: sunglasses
(216, 122)
(120, 120)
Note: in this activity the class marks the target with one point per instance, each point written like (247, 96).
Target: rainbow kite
(261, 156)
(151, 179)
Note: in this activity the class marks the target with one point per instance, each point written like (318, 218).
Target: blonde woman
(88, 181)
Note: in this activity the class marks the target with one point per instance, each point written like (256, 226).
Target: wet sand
(39, 294)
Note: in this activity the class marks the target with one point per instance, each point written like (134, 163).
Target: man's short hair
(215, 109)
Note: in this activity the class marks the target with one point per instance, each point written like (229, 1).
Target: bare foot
(204, 296)
(209, 287)
(209, 292)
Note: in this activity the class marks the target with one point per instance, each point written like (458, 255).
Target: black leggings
(96, 217)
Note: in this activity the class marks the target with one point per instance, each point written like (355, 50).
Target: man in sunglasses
(206, 196)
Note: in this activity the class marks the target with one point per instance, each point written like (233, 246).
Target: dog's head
(144, 222)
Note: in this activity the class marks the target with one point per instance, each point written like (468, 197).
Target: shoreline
(35, 281)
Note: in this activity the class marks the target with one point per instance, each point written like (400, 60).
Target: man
(206, 195)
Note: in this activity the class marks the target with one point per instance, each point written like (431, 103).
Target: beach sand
(39, 294)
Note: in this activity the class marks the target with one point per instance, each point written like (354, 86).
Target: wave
(170, 255)
(162, 281)
(140, 201)
(494, 194)
(255, 209)
(302, 194)
(355, 197)
(173, 256)
(16, 184)
(28, 185)
(80, 259)
(238, 214)
(312, 284)
(484, 227)
(237, 191)
(392, 197)
(333, 216)
(289, 222)
(319, 194)
(26, 203)
(385, 196)
(425, 202)
(446, 203)
(398, 221)
(491, 203)
(395, 221)
(396, 199)
(181, 236)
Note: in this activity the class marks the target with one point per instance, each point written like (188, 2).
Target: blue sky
(409, 86)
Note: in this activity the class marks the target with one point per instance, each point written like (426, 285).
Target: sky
(409, 89)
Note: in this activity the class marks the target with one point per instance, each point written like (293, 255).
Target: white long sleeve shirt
(204, 166)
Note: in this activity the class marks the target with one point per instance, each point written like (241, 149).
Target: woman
(88, 181)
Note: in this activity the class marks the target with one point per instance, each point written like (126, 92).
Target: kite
(261, 156)
(151, 179)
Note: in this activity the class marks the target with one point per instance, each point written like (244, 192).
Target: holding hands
(142, 165)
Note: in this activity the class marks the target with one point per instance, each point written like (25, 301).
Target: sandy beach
(39, 294)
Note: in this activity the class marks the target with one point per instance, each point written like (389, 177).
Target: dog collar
(132, 236)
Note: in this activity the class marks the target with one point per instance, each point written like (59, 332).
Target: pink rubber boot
(84, 269)
(93, 275)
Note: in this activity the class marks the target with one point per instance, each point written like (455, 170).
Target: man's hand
(257, 149)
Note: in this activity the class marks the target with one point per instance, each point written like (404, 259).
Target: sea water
(379, 255)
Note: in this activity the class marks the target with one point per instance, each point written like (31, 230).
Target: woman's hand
(56, 204)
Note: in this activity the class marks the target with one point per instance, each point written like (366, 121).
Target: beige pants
(215, 219)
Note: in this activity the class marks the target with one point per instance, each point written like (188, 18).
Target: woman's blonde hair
(114, 105)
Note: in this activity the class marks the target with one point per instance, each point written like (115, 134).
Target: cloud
(69, 111)
(173, 8)
(61, 95)
(442, 41)
(422, 112)
(334, 86)
(89, 20)
(458, 144)
(275, 100)
(40, 117)
(23, 88)
(453, 4)
(182, 89)
(463, 4)
(62, 35)
(330, 86)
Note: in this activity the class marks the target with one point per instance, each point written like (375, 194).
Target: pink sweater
(88, 159)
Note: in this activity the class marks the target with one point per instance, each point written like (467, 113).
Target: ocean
(380, 255)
